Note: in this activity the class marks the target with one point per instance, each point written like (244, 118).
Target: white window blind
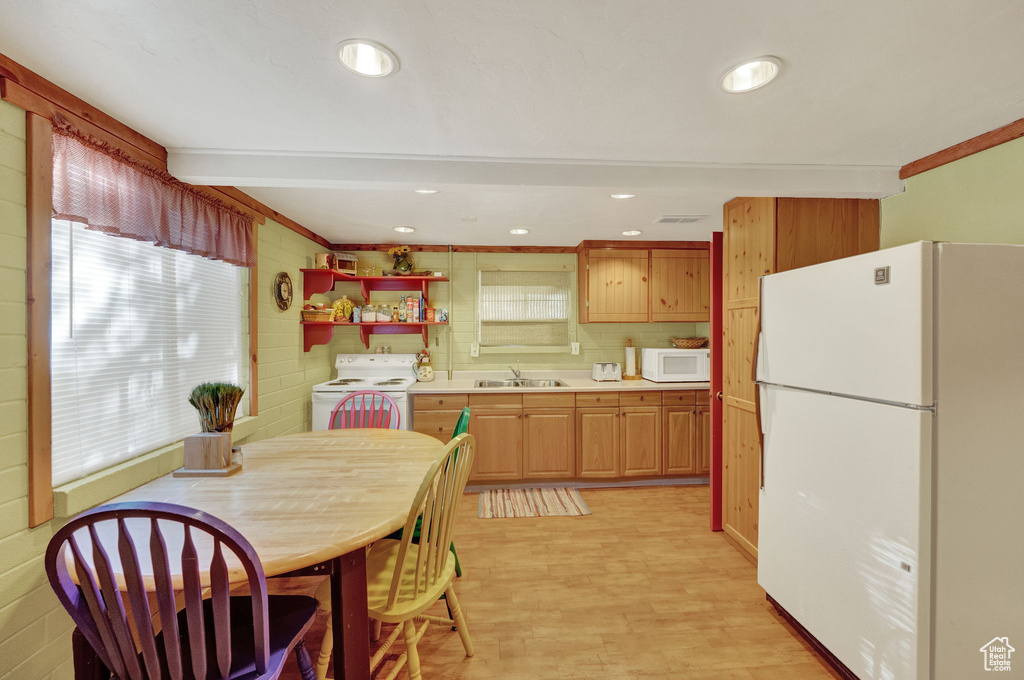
(524, 308)
(134, 328)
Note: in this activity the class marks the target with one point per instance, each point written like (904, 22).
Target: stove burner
(395, 381)
(346, 381)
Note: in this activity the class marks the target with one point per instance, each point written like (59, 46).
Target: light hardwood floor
(639, 589)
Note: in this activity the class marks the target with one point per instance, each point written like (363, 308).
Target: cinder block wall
(35, 631)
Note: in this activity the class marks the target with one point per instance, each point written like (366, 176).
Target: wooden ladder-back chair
(404, 579)
(109, 564)
(366, 408)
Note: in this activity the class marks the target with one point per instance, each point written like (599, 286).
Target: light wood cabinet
(680, 285)
(438, 424)
(499, 444)
(549, 443)
(597, 440)
(702, 439)
(678, 432)
(763, 236)
(618, 283)
(640, 431)
(640, 282)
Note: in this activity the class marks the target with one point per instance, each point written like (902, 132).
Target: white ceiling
(630, 86)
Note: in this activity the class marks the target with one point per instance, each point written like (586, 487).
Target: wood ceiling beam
(964, 149)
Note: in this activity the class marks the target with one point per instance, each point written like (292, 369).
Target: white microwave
(676, 365)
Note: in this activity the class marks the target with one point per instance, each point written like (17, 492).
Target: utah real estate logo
(997, 654)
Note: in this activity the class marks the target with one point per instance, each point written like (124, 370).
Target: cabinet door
(499, 445)
(702, 439)
(618, 286)
(641, 441)
(549, 446)
(438, 424)
(597, 441)
(678, 440)
(680, 285)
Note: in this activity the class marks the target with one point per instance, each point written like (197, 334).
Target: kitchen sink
(521, 382)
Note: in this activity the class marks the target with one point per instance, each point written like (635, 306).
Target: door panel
(680, 285)
(550, 444)
(702, 439)
(597, 441)
(641, 441)
(740, 477)
(618, 286)
(677, 441)
(499, 444)
(843, 537)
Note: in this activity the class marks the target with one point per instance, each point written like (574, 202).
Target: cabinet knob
(641, 397)
(440, 402)
(519, 416)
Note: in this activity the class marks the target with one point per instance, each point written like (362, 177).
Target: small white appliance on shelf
(607, 371)
(392, 374)
(675, 365)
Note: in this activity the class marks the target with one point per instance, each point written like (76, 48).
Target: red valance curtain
(106, 190)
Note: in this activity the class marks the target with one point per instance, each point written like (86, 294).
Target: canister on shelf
(430, 314)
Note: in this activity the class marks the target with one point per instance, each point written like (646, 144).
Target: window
(134, 328)
(525, 309)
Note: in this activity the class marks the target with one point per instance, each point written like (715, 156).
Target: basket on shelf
(318, 315)
(689, 343)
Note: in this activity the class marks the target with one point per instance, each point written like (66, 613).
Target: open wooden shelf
(322, 281)
(321, 332)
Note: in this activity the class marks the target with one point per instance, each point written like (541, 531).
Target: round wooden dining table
(310, 503)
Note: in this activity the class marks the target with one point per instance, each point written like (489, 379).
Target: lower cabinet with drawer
(562, 436)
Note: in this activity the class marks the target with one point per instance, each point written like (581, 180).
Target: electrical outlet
(574, 348)
(474, 349)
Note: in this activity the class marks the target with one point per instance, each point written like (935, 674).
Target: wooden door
(617, 286)
(680, 285)
(499, 444)
(677, 440)
(814, 230)
(597, 443)
(549, 446)
(702, 439)
(749, 253)
(640, 435)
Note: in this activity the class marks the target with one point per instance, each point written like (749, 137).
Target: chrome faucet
(514, 371)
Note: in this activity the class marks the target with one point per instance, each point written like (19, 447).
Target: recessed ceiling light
(623, 195)
(751, 75)
(632, 232)
(519, 232)
(426, 191)
(367, 58)
(405, 230)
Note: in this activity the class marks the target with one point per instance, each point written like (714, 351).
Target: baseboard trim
(675, 481)
(830, 658)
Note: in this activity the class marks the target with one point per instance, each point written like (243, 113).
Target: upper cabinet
(638, 282)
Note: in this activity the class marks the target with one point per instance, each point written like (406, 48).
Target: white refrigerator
(891, 523)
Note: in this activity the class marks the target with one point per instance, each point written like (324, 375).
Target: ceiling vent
(679, 219)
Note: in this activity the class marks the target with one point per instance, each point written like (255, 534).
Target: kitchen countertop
(576, 381)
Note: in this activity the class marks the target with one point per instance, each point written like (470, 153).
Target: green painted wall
(35, 640)
(598, 341)
(977, 199)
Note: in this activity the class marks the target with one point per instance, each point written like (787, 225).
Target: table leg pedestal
(86, 662)
(350, 618)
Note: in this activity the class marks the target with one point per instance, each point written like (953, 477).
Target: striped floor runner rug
(507, 503)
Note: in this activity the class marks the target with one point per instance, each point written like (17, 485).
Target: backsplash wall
(598, 341)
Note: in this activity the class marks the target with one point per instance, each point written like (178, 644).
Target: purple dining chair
(107, 590)
(366, 408)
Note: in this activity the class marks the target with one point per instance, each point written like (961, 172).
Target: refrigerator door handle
(760, 431)
(757, 378)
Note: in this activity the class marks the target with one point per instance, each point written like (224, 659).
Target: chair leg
(375, 636)
(460, 619)
(305, 663)
(414, 655)
(326, 647)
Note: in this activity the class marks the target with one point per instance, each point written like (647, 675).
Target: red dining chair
(367, 408)
(108, 564)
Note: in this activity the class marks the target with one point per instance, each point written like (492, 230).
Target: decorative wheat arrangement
(216, 403)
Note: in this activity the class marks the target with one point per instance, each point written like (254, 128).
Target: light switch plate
(574, 348)
(474, 349)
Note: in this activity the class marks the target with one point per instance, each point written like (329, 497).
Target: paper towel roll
(631, 361)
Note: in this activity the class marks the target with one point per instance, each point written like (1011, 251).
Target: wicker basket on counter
(318, 315)
(689, 343)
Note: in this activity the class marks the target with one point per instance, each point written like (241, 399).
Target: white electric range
(392, 374)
